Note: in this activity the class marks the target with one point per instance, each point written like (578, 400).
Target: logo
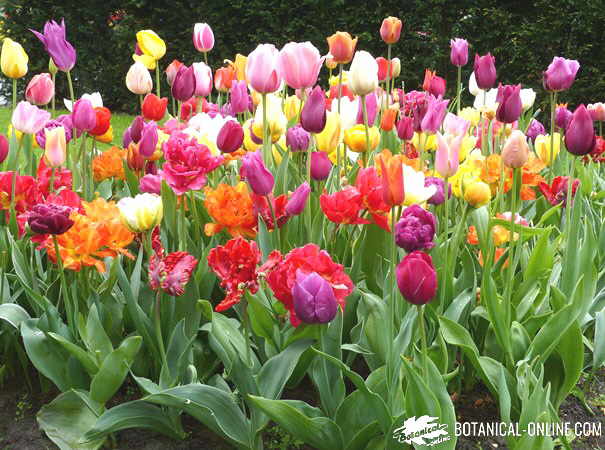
(424, 430)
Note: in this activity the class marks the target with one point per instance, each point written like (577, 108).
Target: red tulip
(416, 278)
(154, 108)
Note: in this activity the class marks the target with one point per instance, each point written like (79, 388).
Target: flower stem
(158, 329)
(458, 89)
(266, 148)
(338, 153)
(68, 305)
(388, 86)
(14, 95)
(275, 226)
(446, 190)
(423, 339)
(553, 100)
(71, 87)
(54, 96)
(246, 325)
(365, 123)
(157, 78)
(51, 185)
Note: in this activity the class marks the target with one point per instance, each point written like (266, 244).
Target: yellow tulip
(275, 117)
(355, 138)
(13, 59)
(424, 141)
(106, 137)
(292, 107)
(329, 138)
(477, 194)
(333, 81)
(470, 114)
(468, 144)
(249, 144)
(146, 60)
(151, 44)
(277, 156)
(542, 147)
(141, 213)
(240, 66)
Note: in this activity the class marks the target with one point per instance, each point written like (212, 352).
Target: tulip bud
(390, 30)
(363, 74)
(3, 148)
(459, 52)
(395, 67)
(515, 151)
(141, 213)
(40, 89)
(154, 108)
(580, 136)
(149, 140)
(203, 37)
(405, 128)
(151, 184)
(126, 138)
(342, 47)
(417, 278)
(231, 137)
(509, 103)
(52, 68)
(83, 115)
(477, 194)
(55, 146)
(297, 201)
(314, 299)
(138, 80)
(136, 129)
(259, 178)
(49, 219)
(313, 115)
(13, 59)
(297, 139)
(485, 71)
(320, 166)
(183, 86)
(172, 70)
(560, 75)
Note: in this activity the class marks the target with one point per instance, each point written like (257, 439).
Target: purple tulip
(297, 138)
(509, 103)
(126, 138)
(485, 71)
(580, 136)
(416, 229)
(313, 114)
(439, 196)
(297, 201)
(231, 137)
(320, 166)
(560, 74)
(562, 116)
(49, 218)
(253, 170)
(149, 139)
(3, 148)
(435, 113)
(239, 97)
(61, 51)
(416, 278)
(83, 115)
(314, 299)
(534, 129)
(136, 129)
(183, 86)
(371, 109)
(41, 135)
(459, 52)
(405, 128)
(151, 184)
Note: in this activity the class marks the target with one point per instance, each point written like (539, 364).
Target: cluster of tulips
(317, 209)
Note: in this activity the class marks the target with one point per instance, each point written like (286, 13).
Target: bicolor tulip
(55, 146)
(257, 175)
(223, 78)
(49, 218)
(40, 90)
(313, 114)
(298, 200)
(459, 52)
(57, 46)
(433, 84)
(28, 118)
(439, 196)
(560, 74)
(485, 71)
(138, 79)
(383, 68)
(262, 69)
(342, 47)
(154, 108)
(183, 86)
(417, 278)
(203, 79)
(142, 213)
(13, 59)
(390, 30)
(446, 159)
(83, 115)
(203, 37)
(320, 166)
(231, 137)
(151, 44)
(299, 64)
(509, 103)
(393, 188)
(597, 111)
(579, 135)
(363, 74)
(515, 151)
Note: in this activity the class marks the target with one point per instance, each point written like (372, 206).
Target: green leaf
(87, 361)
(598, 357)
(176, 356)
(13, 314)
(95, 338)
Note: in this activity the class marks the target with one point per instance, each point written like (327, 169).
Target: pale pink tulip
(299, 64)
(203, 79)
(28, 118)
(446, 159)
(138, 80)
(40, 89)
(262, 69)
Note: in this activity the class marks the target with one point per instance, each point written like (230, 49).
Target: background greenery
(524, 36)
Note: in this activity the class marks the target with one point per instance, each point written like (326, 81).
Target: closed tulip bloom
(154, 108)
(383, 68)
(477, 194)
(535, 129)
(314, 299)
(485, 71)
(83, 115)
(138, 79)
(435, 113)
(183, 86)
(542, 147)
(231, 137)
(203, 37)
(459, 52)
(528, 98)
(262, 69)
(439, 196)
(297, 139)
(239, 97)
(416, 229)
(13, 59)
(560, 74)
(371, 101)
(141, 213)
(597, 111)
(102, 121)
(580, 136)
(509, 103)
(151, 44)
(417, 278)
(562, 116)
(387, 122)
(297, 201)
(446, 159)
(149, 139)
(342, 47)
(151, 184)
(405, 128)
(391, 173)
(240, 66)
(329, 138)
(433, 84)
(355, 138)
(3, 148)
(259, 178)
(390, 30)
(136, 129)
(40, 89)
(28, 118)
(515, 151)
(320, 166)
(172, 70)
(203, 79)
(363, 74)
(313, 114)
(48, 218)
(223, 77)
(299, 64)
(134, 159)
(55, 146)
(55, 43)
(395, 67)
(292, 107)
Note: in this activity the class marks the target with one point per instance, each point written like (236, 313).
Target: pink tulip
(435, 112)
(459, 52)
(446, 159)
(560, 75)
(262, 69)
(138, 80)
(455, 125)
(203, 37)
(299, 64)
(203, 79)
(597, 111)
(40, 89)
(55, 146)
(3, 148)
(28, 118)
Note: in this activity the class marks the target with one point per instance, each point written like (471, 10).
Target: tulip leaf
(13, 314)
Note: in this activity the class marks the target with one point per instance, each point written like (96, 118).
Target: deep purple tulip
(151, 184)
(149, 139)
(562, 116)
(136, 129)
(126, 138)
(48, 218)
(41, 135)
(434, 115)
(560, 75)
(55, 43)
(371, 109)
(3, 148)
(313, 114)
(416, 229)
(580, 136)
(231, 137)
(297, 201)
(459, 52)
(320, 166)
(83, 115)
(534, 129)
(297, 139)
(239, 97)
(253, 170)
(405, 128)
(416, 278)
(183, 86)
(509, 103)
(439, 196)
(314, 299)
(485, 71)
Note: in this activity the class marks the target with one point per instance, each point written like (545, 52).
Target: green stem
(388, 86)
(553, 107)
(338, 153)
(445, 240)
(71, 87)
(51, 186)
(391, 306)
(157, 78)
(54, 95)
(569, 199)
(14, 93)
(365, 123)
(246, 325)
(266, 145)
(423, 340)
(68, 305)
(458, 89)
(275, 226)
(158, 328)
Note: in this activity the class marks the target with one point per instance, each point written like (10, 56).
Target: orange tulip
(342, 46)
(390, 30)
(391, 168)
(388, 119)
(223, 78)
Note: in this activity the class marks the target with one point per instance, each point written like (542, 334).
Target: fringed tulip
(55, 43)
(203, 37)
(580, 135)
(40, 89)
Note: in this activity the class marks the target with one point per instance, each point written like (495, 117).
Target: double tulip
(141, 213)
(49, 219)
(297, 139)
(13, 59)
(416, 229)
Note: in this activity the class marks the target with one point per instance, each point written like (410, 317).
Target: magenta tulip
(297, 201)
(203, 37)
(83, 115)
(509, 103)
(55, 43)
(562, 116)
(320, 166)
(580, 136)
(253, 170)
(299, 64)
(435, 113)
(371, 109)
(560, 74)
(485, 71)
(416, 278)
(459, 52)
(405, 128)
(3, 148)
(151, 184)
(183, 86)
(297, 139)
(149, 139)
(314, 299)
(231, 137)
(262, 69)
(535, 129)
(239, 98)
(416, 229)
(313, 115)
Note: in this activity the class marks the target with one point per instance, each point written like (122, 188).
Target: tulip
(138, 80)
(439, 196)
(542, 147)
(231, 137)
(203, 79)
(395, 67)
(240, 67)
(472, 85)
(459, 52)
(560, 74)
(141, 213)
(136, 129)
(393, 188)
(528, 97)
(292, 107)
(509, 103)
(262, 69)
(203, 37)
(49, 219)
(13, 59)
(535, 129)
(363, 75)
(390, 30)
(383, 68)
(477, 194)
(515, 151)
(134, 159)
(313, 297)
(148, 61)
(184, 84)
(259, 178)
(149, 140)
(55, 43)
(371, 103)
(28, 118)
(446, 159)
(151, 44)
(102, 122)
(562, 116)
(40, 89)
(580, 136)
(485, 71)
(597, 111)
(320, 166)
(387, 122)
(556, 194)
(239, 97)
(342, 47)
(299, 64)
(297, 201)
(172, 70)
(433, 84)
(416, 229)
(405, 128)
(55, 146)
(297, 139)
(329, 138)
(470, 114)
(83, 115)
(355, 138)
(154, 108)
(313, 114)
(435, 113)
(455, 125)
(3, 148)
(416, 278)
(151, 184)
